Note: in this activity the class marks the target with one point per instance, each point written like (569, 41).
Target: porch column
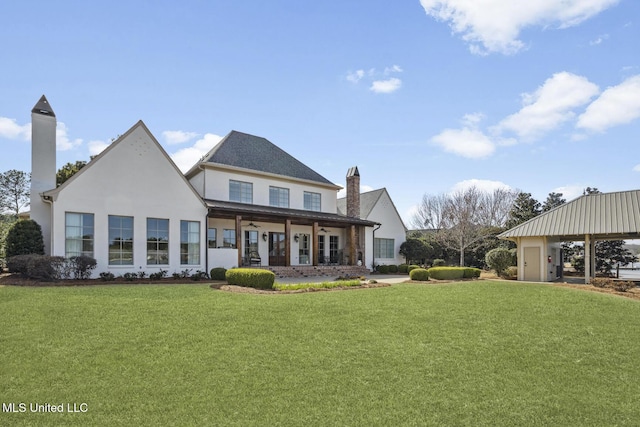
(239, 238)
(587, 258)
(287, 246)
(352, 245)
(314, 239)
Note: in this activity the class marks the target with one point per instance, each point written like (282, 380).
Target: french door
(277, 251)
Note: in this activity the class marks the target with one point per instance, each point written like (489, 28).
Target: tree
(553, 200)
(14, 190)
(499, 259)
(416, 250)
(462, 219)
(524, 208)
(68, 170)
(24, 238)
(587, 191)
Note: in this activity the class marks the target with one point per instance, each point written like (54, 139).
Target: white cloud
(187, 157)
(570, 192)
(599, 40)
(616, 105)
(549, 106)
(494, 26)
(177, 136)
(356, 76)
(96, 147)
(386, 86)
(10, 129)
(393, 69)
(636, 168)
(63, 143)
(466, 142)
(481, 184)
(363, 189)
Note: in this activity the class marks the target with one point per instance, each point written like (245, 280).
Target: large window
(120, 240)
(78, 234)
(383, 248)
(157, 241)
(312, 201)
(189, 242)
(279, 197)
(334, 252)
(212, 238)
(250, 243)
(240, 191)
(304, 248)
(228, 238)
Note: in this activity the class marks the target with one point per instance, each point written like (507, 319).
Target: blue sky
(423, 96)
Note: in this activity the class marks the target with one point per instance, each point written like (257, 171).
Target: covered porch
(241, 234)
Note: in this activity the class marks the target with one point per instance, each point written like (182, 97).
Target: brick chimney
(353, 192)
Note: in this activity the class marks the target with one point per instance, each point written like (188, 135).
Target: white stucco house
(245, 203)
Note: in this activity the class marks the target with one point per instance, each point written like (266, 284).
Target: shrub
(617, 285)
(158, 275)
(446, 273)
(403, 268)
(23, 238)
(471, 273)
(420, 274)
(34, 266)
(251, 277)
(393, 269)
(82, 266)
(218, 273)
(622, 286)
(383, 269)
(107, 276)
(438, 262)
(412, 267)
(499, 259)
(600, 282)
(130, 277)
(199, 275)
(511, 272)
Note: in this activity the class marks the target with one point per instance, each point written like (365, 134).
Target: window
(279, 197)
(157, 241)
(78, 234)
(383, 248)
(229, 238)
(334, 253)
(312, 201)
(321, 258)
(304, 244)
(211, 238)
(189, 242)
(250, 243)
(120, 240)
(240, 191)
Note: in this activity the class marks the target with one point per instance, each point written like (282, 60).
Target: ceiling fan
(251, 224)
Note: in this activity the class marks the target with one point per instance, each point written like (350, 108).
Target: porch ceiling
(222, 209)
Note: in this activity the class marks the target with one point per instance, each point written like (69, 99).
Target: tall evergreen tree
(14, 191)
(553, 200)
(524, 208)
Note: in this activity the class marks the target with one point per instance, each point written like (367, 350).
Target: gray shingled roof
(602, 215)
(367, 201)
(246, 151)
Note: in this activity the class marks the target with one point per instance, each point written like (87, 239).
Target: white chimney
(43, 165)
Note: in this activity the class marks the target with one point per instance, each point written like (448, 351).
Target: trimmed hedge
(383, 269)
(251, 277)
(403, 268)
(393, 269)
(420, 274)
(453, 273)
(412, 267)
(218, 273)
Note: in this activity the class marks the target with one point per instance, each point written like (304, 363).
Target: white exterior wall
(216, 187)
(136, 179)
(384, 212)
(550, 257)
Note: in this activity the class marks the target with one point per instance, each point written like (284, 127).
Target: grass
(472, 353)
(318, 285)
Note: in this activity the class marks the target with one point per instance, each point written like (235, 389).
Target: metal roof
(603, 215)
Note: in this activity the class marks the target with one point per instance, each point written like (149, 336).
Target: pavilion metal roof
(602, 215)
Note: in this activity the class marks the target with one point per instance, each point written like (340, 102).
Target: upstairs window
(279, 197)
(240, 192)
(312, 201)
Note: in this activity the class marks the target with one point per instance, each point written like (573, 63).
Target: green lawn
(473, 353)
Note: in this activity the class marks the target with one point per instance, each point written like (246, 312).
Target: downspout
(373, 248)
(49, 200)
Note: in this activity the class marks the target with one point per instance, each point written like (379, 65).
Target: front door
(277, 251)
(532, 264)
